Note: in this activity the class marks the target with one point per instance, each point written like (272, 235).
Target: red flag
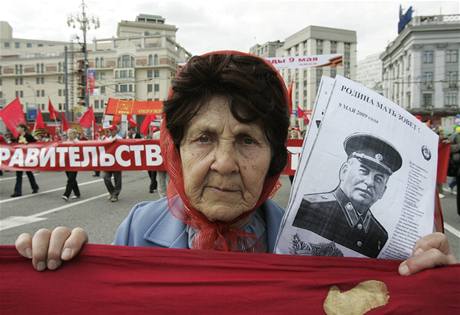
(300, 112)
(39, 123)
(64, 122)
(132, 123)
(146, 123)
(306, 121)
(87, 119)
(52, 111)
(290, 88)
(116, 120)
(12, 115)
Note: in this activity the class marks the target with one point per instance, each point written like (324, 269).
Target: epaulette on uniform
(318, 198)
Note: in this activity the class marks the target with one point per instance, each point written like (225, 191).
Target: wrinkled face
(362, 184)
(224, 162)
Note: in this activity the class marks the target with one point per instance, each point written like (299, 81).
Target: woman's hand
(48, 249)
(429, 251)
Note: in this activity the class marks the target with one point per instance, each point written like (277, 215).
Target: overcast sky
(223, 24)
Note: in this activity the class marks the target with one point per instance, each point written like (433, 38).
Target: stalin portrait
(344, 215)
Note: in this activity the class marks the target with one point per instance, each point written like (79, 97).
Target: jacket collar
(352, 216)
(168, 231)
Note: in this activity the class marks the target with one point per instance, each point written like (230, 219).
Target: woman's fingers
(435, 240)
(74, 243)
(40, 243)
(430, 251)
(24, 245)
(56, 244)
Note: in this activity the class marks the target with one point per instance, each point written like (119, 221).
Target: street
(100, 218)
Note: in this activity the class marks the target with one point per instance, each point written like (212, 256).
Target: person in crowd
(455, 160)
(114, 191)
(224, 137)
(161, 176)
(24, 138)
(294, 133)
(2, 141)
(72, 184)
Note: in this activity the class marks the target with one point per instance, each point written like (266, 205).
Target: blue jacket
(150, 223)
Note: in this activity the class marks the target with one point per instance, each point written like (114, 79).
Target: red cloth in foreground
(121, 280)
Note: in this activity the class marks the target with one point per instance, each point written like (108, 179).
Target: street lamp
(84, 23)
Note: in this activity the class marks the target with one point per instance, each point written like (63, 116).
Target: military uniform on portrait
(343, 215)
(332, 216)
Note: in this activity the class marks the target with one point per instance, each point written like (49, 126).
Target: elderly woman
(223, 134)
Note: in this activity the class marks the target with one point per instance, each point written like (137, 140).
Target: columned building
(421, 66)
(138, 63)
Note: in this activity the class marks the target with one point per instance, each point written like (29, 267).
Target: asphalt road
(101, 217)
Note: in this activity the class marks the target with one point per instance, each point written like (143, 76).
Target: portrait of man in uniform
(344, 215)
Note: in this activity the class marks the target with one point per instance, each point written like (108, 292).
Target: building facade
(313, 40)
(138, 63)
(421, 66)
(267, 50)
(369, 72)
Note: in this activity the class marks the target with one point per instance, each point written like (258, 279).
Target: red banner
(126, 155)
(121, 280)
(122, 155)
(133, 107)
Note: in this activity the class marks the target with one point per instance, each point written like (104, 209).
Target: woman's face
(224, 162)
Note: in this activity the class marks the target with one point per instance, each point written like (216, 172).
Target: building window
(156, 87)
(101, 64)
(21, 93)
(60, 106)
(149, 87)
(333, 72)
(333, 47)
(123, 88)
(428, 56)
(452, 56)
(451, 99)
(38, 92)
(6, 45)
(42, 80)
(427, 100)
(125, 61)
(1, 94)
(149, 74)
(97, 62)
(427, 77)
(102, 89)
(319, 46)
(155, 59)
(29, 45)
(156, 73)
(59, 92)
(1, 82)
(96, 104)
(150, 60)
(452, 78)
(43, 93)
(319, 73)
(17, 45)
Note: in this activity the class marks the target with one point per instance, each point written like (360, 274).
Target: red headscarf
(210, 235)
